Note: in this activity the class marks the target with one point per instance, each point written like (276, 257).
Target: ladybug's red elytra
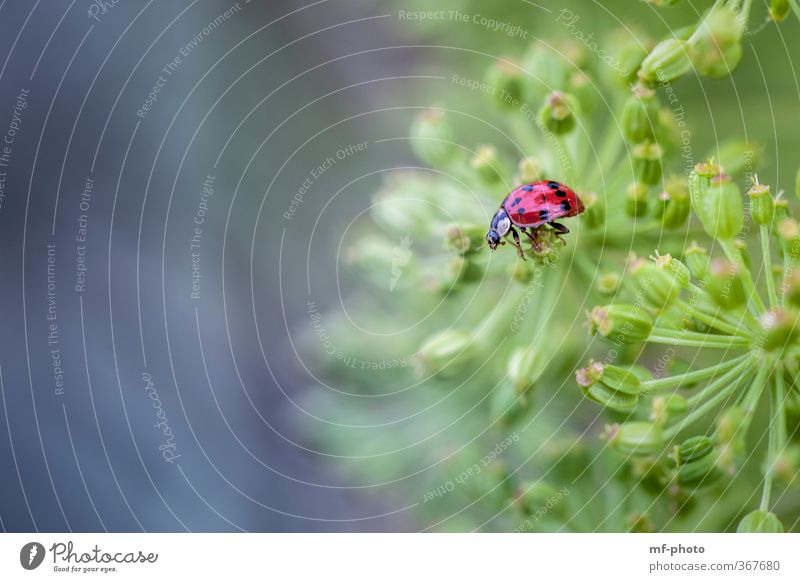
(531, 206)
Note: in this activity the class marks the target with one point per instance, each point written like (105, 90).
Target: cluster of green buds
(427, 245)
(695, 307)
(711, 48)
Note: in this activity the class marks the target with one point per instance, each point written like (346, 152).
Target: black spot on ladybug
(544, 214)
(521, 211)
(554, 185)
(565, 205)
(527, 187)
(560, 193)
(516, 201)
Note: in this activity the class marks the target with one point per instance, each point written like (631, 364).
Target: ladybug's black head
(498, 229)
(493, 238)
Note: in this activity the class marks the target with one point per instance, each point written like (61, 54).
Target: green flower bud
(693, 449)
(620, 322)
(637, 438)
(465, 239)
(703, 471)
(655, 284)
(780, 328)
(487, 164)
(594, 213)
(558, 113)
(699, 185)
(778, 9)
(526, 366)
(674, 204)
(674, 267)
(725, 210)
(724, 284)
(640, 114)
(529, 169)
(432, 138)
(647, 165)
(508, 82)
(444, 354)
(737, 156)
(636, 200)
(668, 61)
(618, 400)
(696, 259)
(760, 522)
(716, 47)
(608, 283)
(762, 208)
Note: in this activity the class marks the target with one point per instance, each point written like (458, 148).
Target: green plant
(694, 347)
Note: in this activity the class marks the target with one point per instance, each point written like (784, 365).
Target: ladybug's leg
(517, 243)
(560, 230)
(533, 234)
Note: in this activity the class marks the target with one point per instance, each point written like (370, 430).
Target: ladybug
(529, 207)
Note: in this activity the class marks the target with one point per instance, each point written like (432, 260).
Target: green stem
(776, 436)
(711, 320)
(697, 340)
(732, 379)
(755, 304)
(710, 389)
(764, 234)
(691, 377)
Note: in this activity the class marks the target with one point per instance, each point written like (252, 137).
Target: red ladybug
(529, 207)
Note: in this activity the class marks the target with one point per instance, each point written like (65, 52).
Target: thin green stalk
(691, 377)
(711, 388)
(736, 375)
(696, 340)
(711, 320)
(734, 255)
(776, 436)
(766, 257)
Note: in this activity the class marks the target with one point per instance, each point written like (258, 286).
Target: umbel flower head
(693, 352)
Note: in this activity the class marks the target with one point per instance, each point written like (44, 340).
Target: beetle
(531, 206)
